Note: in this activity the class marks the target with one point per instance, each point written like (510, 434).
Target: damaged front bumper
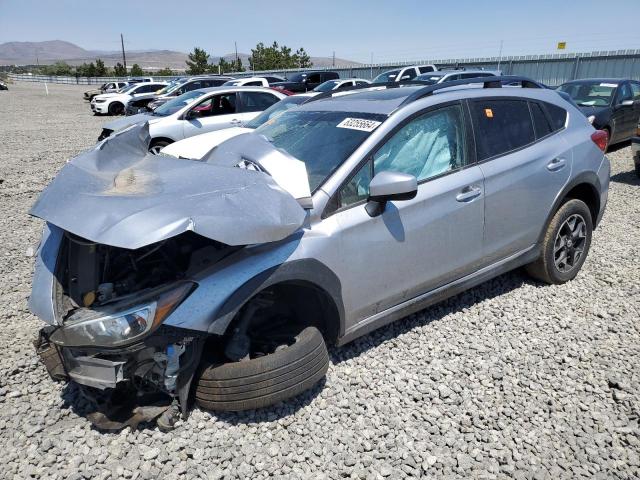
(163, 363)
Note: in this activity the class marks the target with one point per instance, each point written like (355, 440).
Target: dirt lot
(511, 379)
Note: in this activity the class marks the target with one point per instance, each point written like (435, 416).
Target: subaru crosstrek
(337, 217)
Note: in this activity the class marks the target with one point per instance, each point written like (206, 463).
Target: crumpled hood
(118, 194)
(124, 122)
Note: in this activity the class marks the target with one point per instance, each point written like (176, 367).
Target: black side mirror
(388, 186)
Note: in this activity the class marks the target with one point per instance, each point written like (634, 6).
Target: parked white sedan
(198, 146)
(114, 103)
(198, 111)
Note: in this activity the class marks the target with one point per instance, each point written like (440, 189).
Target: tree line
(275, 57)
(97, 69)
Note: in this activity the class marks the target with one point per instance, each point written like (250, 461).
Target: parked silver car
(328, 221)
(198, 111)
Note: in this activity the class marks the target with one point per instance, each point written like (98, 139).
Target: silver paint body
(418, 250)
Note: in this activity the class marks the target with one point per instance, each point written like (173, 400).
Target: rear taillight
(601, 139)
(638, 131)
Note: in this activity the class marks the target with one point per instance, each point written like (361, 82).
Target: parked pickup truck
(109, 87)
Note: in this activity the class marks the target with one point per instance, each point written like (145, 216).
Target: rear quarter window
(501, 126)
(540, 120)
(558, 116)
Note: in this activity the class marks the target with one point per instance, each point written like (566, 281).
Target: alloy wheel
(569, 245)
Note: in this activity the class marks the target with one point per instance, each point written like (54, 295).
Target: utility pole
(236, 45)
(371, 74)
(124, 58)
(333, 64)
(500, 54)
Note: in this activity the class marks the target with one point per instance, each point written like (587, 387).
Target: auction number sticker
(359, 124)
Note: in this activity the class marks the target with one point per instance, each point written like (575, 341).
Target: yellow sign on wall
(562, 45)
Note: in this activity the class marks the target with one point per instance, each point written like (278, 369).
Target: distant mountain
(27, 53)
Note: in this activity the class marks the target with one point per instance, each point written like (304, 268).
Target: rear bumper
(134, 110)
(635, 149)
(604, 173)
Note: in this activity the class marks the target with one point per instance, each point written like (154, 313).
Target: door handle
(468, 193)
(235, 121)
(556, 164)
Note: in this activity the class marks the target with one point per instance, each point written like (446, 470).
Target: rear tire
(116, 108)
(565, 244)
(263, 381)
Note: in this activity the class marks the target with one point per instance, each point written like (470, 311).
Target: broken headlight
(101, 329)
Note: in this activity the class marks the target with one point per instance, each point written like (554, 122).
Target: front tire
(265, 380)
(565, 244)
(157, 146)
(116, 108)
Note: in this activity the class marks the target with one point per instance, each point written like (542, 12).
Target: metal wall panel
(549, 69)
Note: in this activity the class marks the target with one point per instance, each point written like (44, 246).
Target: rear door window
(425, 69)
(501, 126)
(257, 101)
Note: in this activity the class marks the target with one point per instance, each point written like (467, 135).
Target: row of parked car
(222, 266)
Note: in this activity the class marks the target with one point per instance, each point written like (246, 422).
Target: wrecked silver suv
(226, 277)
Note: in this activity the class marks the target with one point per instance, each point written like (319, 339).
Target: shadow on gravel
(74, 400)
(493, 288)
(618, 146)
(273, 413)
(488, 290)
(629, 178)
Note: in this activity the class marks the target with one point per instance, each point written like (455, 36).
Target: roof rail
(488, 82)
(331, 93)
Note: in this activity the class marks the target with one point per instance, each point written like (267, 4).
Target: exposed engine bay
(93, 275)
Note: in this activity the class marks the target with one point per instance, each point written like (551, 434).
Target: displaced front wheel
(565, 244)
(157, 146)
(264, 380)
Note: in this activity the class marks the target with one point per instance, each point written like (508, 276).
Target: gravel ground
(511, 379)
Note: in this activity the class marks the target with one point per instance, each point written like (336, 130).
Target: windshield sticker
(359, 124)
(612, 85)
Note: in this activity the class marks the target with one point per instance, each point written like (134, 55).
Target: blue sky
(392, 31)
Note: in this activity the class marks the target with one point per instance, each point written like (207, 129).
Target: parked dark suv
(304, 82)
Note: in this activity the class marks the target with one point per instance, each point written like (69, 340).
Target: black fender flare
(305, 270)
(588, 178)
